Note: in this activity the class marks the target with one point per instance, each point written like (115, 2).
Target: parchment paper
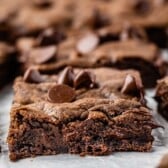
(116, 160)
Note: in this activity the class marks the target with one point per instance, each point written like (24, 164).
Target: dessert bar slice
(151, 15)
(162, 96)
(86, 112)
(94, 49)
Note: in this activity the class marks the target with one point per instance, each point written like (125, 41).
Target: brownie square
(87, 112)
(148, 14)
(162, 96)
(119, 47)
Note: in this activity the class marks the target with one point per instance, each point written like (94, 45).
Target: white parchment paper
(116, 160)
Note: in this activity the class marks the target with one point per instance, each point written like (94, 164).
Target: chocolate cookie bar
(117, 47)
(162, 96)
(7, 63)
(87, 112)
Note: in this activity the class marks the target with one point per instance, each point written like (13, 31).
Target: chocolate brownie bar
(162, 96)
(148, 14)
(86, 112)
(7, 63)
(117, 47)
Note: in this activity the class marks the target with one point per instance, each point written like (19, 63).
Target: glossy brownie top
(103, 83)
(100, 93)
(55, 50)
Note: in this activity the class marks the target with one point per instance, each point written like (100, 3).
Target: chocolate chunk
(66, 76)
(84, 79)
(61, 94)
(142, 7)
(130, 32)
(164, 162)
(32, 76)
(50, 37)
(88, 43)
(43, 55)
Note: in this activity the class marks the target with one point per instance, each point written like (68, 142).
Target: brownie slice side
(88, 126)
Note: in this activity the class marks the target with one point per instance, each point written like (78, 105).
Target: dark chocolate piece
(67, 77)
(87, 43)
(84, 79)
(61, 94)
(43, 55)
(129, 85)
(33, 76)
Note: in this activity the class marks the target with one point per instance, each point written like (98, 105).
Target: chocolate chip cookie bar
(113, 47)
(87, 112)
(7, 63)
(162, 96)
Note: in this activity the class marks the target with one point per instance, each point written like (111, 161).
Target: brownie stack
(83, 66)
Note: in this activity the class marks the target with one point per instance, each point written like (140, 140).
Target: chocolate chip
(66, 76)
(61, 94)
(84, 79)
(32, 76)
(130, 32)
(142, 7)
(87, 43)
(43, 55)
(100, 19)
(42, 3)
(129, 85)
(50, 37)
